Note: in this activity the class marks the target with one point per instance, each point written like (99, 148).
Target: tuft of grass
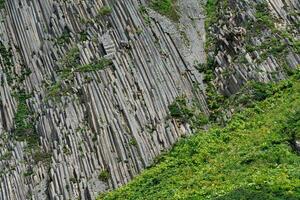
(250, 158)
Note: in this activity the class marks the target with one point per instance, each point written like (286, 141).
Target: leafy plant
(24, 128)
(104, 175)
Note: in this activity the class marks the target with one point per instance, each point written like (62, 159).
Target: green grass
(166, 7)
(250, 158)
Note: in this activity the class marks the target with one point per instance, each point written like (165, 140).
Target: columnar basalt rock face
(93, 79)
(97, 128)
(246, 40)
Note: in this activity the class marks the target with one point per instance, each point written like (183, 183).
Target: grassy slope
(248, 159)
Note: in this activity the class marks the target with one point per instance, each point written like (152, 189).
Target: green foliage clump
(179, 110)
(185, 113)
(133, 142)
(166, 7)
(64, 38)
(264, 20)
(292, 126)
(250, 158)
(40, 156)
(71, 59)
(95, 66)
(5, 54)
(104, 11)
(71, 64)
(144, 12)
(104, 175)
(2, 4)
(211, 15)
(7, 61)
(24, 129)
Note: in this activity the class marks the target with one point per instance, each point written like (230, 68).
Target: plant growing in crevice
(104, 11)
(64, 38)
(69, 65)
(24, 128)
(186, 112)
(104, 175)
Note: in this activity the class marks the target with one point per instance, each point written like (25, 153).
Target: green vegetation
(104, 11)
(166, 7)
(186, 112)
(71, 64)
(5, 54)
(71, 59)
(64, 38)
(7, 61)
(104, 175)
(144, 12)
(292, 127)
(213, 11)
(211, 15)
(83, 36)
(250, 158)
(264, 19)
(40, 156)
(2, 4)
(133, 142)
(24, 128)
(95, 66)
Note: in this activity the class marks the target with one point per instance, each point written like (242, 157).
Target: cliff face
(86, 85)
(255, 40)
(93, 80)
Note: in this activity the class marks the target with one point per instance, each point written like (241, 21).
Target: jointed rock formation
(86, 85)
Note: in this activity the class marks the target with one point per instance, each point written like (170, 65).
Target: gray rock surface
(97, 129)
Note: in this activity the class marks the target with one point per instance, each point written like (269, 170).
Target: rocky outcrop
(254, 41)
(86, 85)
(96, 128)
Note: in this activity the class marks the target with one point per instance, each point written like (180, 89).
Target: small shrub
(104, 175)
(71, 59)
(64, 38)
(179, 110)
(185, 113)
(133, 142)
(104, 11)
